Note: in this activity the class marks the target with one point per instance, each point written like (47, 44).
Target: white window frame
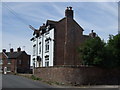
(47, 45)
(40, 48)
(34, 49)
(47, 30)
(46, 61)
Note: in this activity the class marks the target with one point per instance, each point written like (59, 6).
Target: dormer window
(47, 29)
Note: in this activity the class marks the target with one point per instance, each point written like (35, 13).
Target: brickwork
(79, 75)
(15, 62)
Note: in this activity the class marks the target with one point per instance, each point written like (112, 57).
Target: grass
(40, 79)
(35, 78)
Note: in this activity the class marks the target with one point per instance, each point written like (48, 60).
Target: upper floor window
(9, 61)
(47, 45)
(39, 47)
(46, 61)
(19, 61)
(34, 50)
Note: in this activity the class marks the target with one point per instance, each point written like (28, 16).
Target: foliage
(96, 52)
(114, 46)
(92, 51)
(35, 78)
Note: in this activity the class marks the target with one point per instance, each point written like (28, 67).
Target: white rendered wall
(42, 39)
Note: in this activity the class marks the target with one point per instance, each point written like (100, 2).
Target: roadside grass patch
(35, 78)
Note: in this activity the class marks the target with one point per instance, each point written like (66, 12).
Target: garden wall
(77, 75)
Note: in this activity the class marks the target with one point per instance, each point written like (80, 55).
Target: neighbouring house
(56, 42)
(15, 61)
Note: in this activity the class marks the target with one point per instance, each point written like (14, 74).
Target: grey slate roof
(14, 54)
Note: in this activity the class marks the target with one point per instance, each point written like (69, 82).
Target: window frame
(47, 45)
(40, 49)
(8, 61)
(34, 49)
(46, 61)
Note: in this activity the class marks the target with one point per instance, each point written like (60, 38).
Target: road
(14, 81)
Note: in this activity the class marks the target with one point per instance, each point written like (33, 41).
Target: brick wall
(79, 75)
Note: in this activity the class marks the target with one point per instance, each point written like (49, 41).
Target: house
(56, 42)
(15, 61)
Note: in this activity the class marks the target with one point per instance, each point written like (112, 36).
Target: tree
(114, 46)
(97, 53)
(92, 51)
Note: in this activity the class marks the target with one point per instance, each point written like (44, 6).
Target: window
(47, 45)
(28, 62)
(39, 47)
(19, 61)
(1, 62)
(9, 61)
(34, 50)
(46, 61)
(8, 69)
(47, 30)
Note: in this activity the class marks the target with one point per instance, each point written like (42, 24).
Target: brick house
(15, 61)
(56, 42)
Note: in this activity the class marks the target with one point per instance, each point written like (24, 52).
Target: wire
(14, 13)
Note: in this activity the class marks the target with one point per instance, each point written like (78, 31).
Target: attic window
(47, 30)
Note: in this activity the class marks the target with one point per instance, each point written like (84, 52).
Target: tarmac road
(14, 81)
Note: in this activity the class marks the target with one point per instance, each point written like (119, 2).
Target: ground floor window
(8, 69)
(46, 61)
(1, 62)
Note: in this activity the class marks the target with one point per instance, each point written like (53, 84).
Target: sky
(102, 17)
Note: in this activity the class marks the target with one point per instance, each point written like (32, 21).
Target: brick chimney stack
(93, 34)
(11, 50)
(69, 12)
(18, 49)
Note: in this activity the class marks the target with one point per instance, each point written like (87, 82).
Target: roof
(14, 54)
(49, 22)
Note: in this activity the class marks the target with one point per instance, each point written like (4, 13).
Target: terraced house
(15, 61)
(56, 42)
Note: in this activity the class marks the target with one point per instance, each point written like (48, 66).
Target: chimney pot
(70, 8)
(69, 12)
(11, 50)
(4, 50)
(18, 49)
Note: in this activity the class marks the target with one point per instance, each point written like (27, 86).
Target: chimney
(11, 50)
(69, 12)
(18, 49)
(93, 34)
(4, 50)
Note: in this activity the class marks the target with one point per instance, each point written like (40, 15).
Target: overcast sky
(102, 17)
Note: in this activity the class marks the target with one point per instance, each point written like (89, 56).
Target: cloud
(60, 0)
(101, 17)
